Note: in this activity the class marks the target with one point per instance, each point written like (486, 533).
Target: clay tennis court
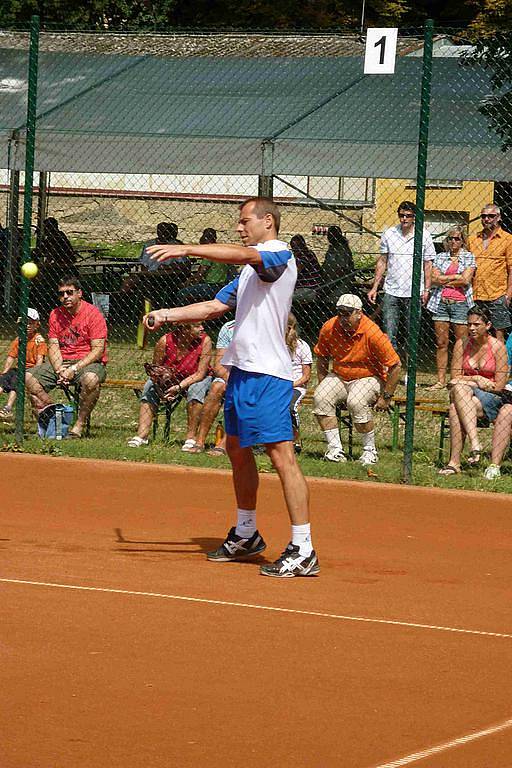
(122, 646)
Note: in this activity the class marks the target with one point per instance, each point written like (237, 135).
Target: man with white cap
(364, 375)
(36, 352)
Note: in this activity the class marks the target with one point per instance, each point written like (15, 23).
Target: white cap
(350, 301)
(32, 314)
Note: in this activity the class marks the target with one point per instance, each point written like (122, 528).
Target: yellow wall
(470, 199)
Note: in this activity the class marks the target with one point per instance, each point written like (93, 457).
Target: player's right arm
(223, 252)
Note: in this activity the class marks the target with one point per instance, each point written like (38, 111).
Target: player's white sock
(333, 438)
(301, 538)
(246, 523)
(368, 439)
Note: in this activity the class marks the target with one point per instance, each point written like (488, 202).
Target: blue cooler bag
(54, 422)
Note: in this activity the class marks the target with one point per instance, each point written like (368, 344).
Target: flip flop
(217, 451)
(195, 449)
(474, 457)
(449, 470)
(73, 436)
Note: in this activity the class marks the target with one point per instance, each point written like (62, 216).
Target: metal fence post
(415, 310)
(27, 222)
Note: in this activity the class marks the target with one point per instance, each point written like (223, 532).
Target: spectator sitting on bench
(479, 371)
(215, 396)
(77, 353)
(36, 352)
(187, 351)
(302, 360)
(365, 373)
(502, 425)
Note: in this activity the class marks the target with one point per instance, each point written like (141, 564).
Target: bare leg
(193, 416)
(89, 394)
(368, 426)
(501, 434)
(468, 411)
(245, 473)
(210, 410)
(146, 416)
(442, 330)
(11, 399)
(294, 485)
(327, 422)
(457, 438)
(38, 397)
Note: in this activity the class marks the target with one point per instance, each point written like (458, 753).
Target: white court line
(415, 756)
(204, 600)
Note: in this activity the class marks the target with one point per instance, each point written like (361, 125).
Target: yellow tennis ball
(29, 270)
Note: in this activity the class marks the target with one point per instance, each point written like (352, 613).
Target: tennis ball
(29, 270)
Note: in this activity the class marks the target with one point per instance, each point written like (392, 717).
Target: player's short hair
(262, 206)
(70, 280)
(407, 205)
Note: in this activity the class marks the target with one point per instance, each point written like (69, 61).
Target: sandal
(474, 457)
(449, 470)
(188, 445)
(217, 451)
(438, 385)
(137, 442)
(195, 448)
(6, 413)
(73, 436)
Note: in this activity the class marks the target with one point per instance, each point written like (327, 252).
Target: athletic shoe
(336, 455)
(237, 548)
(492, 472)
(368, 456)
(292, 563)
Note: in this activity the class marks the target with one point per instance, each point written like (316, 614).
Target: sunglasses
(406, 215)
(68, 292)
(488, 215)
(454, 237)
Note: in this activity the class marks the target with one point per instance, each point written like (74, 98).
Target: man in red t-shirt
(77, 353)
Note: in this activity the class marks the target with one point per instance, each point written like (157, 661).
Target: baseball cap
(350, 301)
(32, 314)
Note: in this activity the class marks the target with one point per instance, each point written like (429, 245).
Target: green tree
(494, 52)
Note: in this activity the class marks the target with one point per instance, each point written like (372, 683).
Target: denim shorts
(455, 312)
(499, 312)
(197, 391)
(490, 403)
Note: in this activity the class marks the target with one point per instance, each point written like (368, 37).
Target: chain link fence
(159, 138)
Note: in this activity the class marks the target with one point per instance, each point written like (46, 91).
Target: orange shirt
(35, 346)
(492, 264)
(367, 352)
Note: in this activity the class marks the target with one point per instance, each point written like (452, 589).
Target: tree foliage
(482, 16)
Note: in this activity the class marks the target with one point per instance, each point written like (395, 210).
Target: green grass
(115, 420)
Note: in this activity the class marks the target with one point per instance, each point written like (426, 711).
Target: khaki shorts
(47, 377)
(357, 395)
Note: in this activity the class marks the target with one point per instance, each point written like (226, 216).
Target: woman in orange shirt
(36, 352)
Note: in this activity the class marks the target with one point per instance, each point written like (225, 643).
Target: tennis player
(259, 390)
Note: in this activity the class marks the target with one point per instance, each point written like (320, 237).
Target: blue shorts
(490, 403)
(257, 408)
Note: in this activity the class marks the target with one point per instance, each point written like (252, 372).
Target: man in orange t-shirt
(365, 373)
(492, 283)
(36, 352)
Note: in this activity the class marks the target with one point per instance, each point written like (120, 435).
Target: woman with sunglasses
(451, 296)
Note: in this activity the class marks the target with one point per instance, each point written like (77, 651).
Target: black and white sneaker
(292, 563)
(237, 548)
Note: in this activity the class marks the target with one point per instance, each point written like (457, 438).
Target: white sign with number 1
(380, 54)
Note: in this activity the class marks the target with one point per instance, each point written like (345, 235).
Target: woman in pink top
(479, 371)
(451, 296)
(186, 351)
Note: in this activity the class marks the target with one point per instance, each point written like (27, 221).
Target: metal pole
(13, 241)
(42, 203)
(266, 179)
(27, 222)
(415, 312)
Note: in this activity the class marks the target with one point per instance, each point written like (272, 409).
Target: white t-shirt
(399, 250)
(301, 357)
(262, 295)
